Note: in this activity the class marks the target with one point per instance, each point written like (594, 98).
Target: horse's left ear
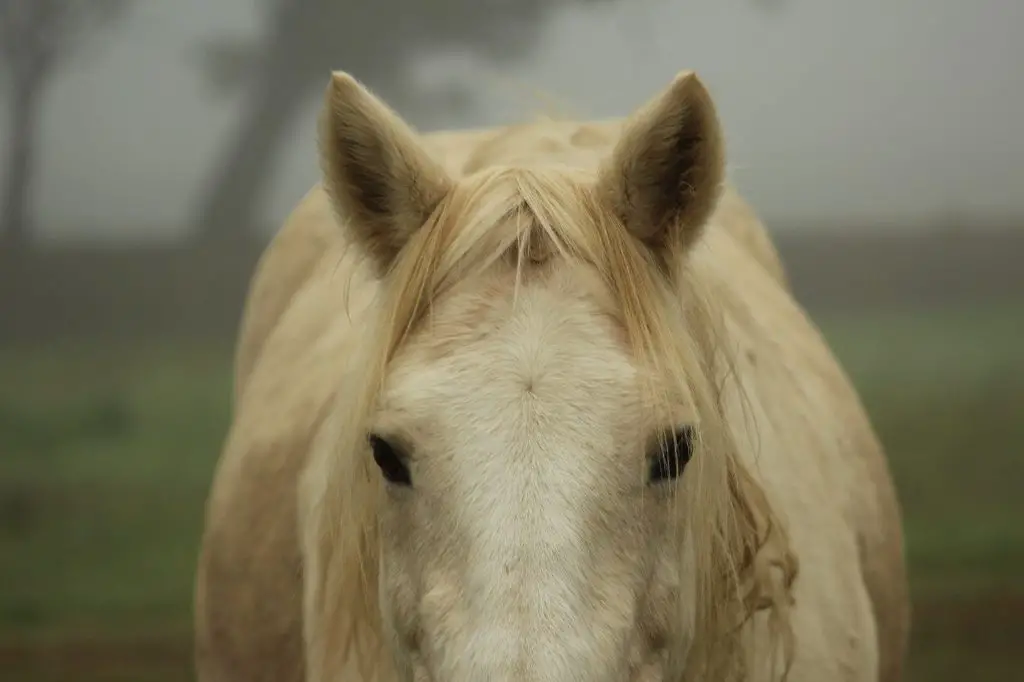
(382, 182)
(665, 174)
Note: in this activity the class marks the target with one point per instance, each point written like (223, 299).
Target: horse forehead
(552, 342)
(564, 305)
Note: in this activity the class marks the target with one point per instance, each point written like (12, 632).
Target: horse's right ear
(382, 182)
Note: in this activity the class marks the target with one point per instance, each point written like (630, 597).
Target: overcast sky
(876, 109)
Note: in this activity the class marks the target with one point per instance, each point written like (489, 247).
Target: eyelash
(673, 454)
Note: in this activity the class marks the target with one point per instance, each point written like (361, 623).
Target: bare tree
(378, 41)
(35, 37)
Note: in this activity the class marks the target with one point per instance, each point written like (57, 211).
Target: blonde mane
(529, 218)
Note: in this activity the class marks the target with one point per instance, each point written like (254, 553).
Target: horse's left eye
(392, 463)
(671, 455)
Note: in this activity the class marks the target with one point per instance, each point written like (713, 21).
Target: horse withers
(536, 404)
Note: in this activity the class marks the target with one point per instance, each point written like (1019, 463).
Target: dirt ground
(977, 639)
(143, 659)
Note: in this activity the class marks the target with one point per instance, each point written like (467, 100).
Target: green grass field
(106, 456)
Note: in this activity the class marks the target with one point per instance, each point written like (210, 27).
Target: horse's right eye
(390, 460)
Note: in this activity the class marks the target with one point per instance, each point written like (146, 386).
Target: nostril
(656, 640)
(414, 639)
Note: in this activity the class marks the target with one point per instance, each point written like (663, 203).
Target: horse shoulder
(283, 268)
(248, 601)
(872, 514)
(248, 620)
(248, 590)
(876, 516)
(859, 466)
(810, 441)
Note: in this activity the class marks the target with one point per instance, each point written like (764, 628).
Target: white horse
(536, 405)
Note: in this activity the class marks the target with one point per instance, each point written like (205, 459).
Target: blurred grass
(106, 455)
(946, 393)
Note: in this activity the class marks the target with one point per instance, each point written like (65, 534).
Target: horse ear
(665, 174)
(382, 182)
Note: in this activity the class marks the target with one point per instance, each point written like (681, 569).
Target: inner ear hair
(665, 175)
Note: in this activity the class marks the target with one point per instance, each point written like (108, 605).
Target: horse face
(529, 530)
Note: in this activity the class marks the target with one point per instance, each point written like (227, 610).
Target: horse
(536, 403)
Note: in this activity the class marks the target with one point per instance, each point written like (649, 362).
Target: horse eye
(671, 456)
(390, 461)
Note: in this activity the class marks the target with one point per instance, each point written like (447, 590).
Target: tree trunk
(16, 197)
(242, 175)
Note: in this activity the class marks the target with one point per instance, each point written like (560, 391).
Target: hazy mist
(874, 110)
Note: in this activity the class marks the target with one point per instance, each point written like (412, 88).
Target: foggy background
(149, 149)
(872, 110)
